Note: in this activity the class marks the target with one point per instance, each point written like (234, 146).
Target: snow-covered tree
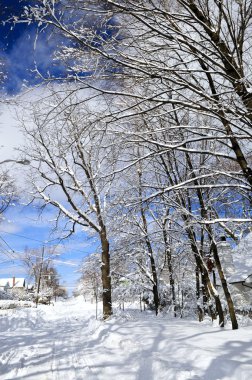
(41, 270)
(7, 191)
(90, 284)
(71, 165)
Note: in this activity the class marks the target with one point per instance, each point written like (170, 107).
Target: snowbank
(13, 304)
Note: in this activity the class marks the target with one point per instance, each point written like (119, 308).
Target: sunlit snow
(65, 341)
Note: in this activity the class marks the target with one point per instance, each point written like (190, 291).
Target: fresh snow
(65, 341)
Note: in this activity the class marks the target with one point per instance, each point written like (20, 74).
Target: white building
(237, 266)
(12, 283)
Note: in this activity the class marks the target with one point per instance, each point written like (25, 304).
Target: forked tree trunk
(200, 264)
(208, 296)
(216, 297)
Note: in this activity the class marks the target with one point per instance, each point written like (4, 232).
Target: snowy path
(66, 342)
(44, 346)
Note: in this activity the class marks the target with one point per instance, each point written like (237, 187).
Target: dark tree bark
(199, 308)
(230, 303)
(168, 258)
(106, 278)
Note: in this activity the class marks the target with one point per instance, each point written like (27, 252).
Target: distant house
(12, 283)
(237, 266)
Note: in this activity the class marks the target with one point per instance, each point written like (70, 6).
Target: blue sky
(18, 52)
(17, 49)
(16, 44)
(22, 227)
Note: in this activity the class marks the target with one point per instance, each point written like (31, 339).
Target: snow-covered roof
(8, 282)
(242, 259)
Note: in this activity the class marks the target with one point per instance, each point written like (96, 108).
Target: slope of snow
(65, 341)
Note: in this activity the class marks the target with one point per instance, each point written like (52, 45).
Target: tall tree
(70, 159)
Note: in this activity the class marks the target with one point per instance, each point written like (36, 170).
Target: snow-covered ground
(65, 342)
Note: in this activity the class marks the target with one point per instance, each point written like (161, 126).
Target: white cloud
(9, 227)
(10, 135)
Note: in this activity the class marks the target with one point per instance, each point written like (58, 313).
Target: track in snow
(34, 347)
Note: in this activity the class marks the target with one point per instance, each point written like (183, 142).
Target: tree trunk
(106, 279)
(155, 282)
(149, 246)
(201, 265)
(216, 297)
(199, 308)
(225, 287)
(210, 307)
(168, 257)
